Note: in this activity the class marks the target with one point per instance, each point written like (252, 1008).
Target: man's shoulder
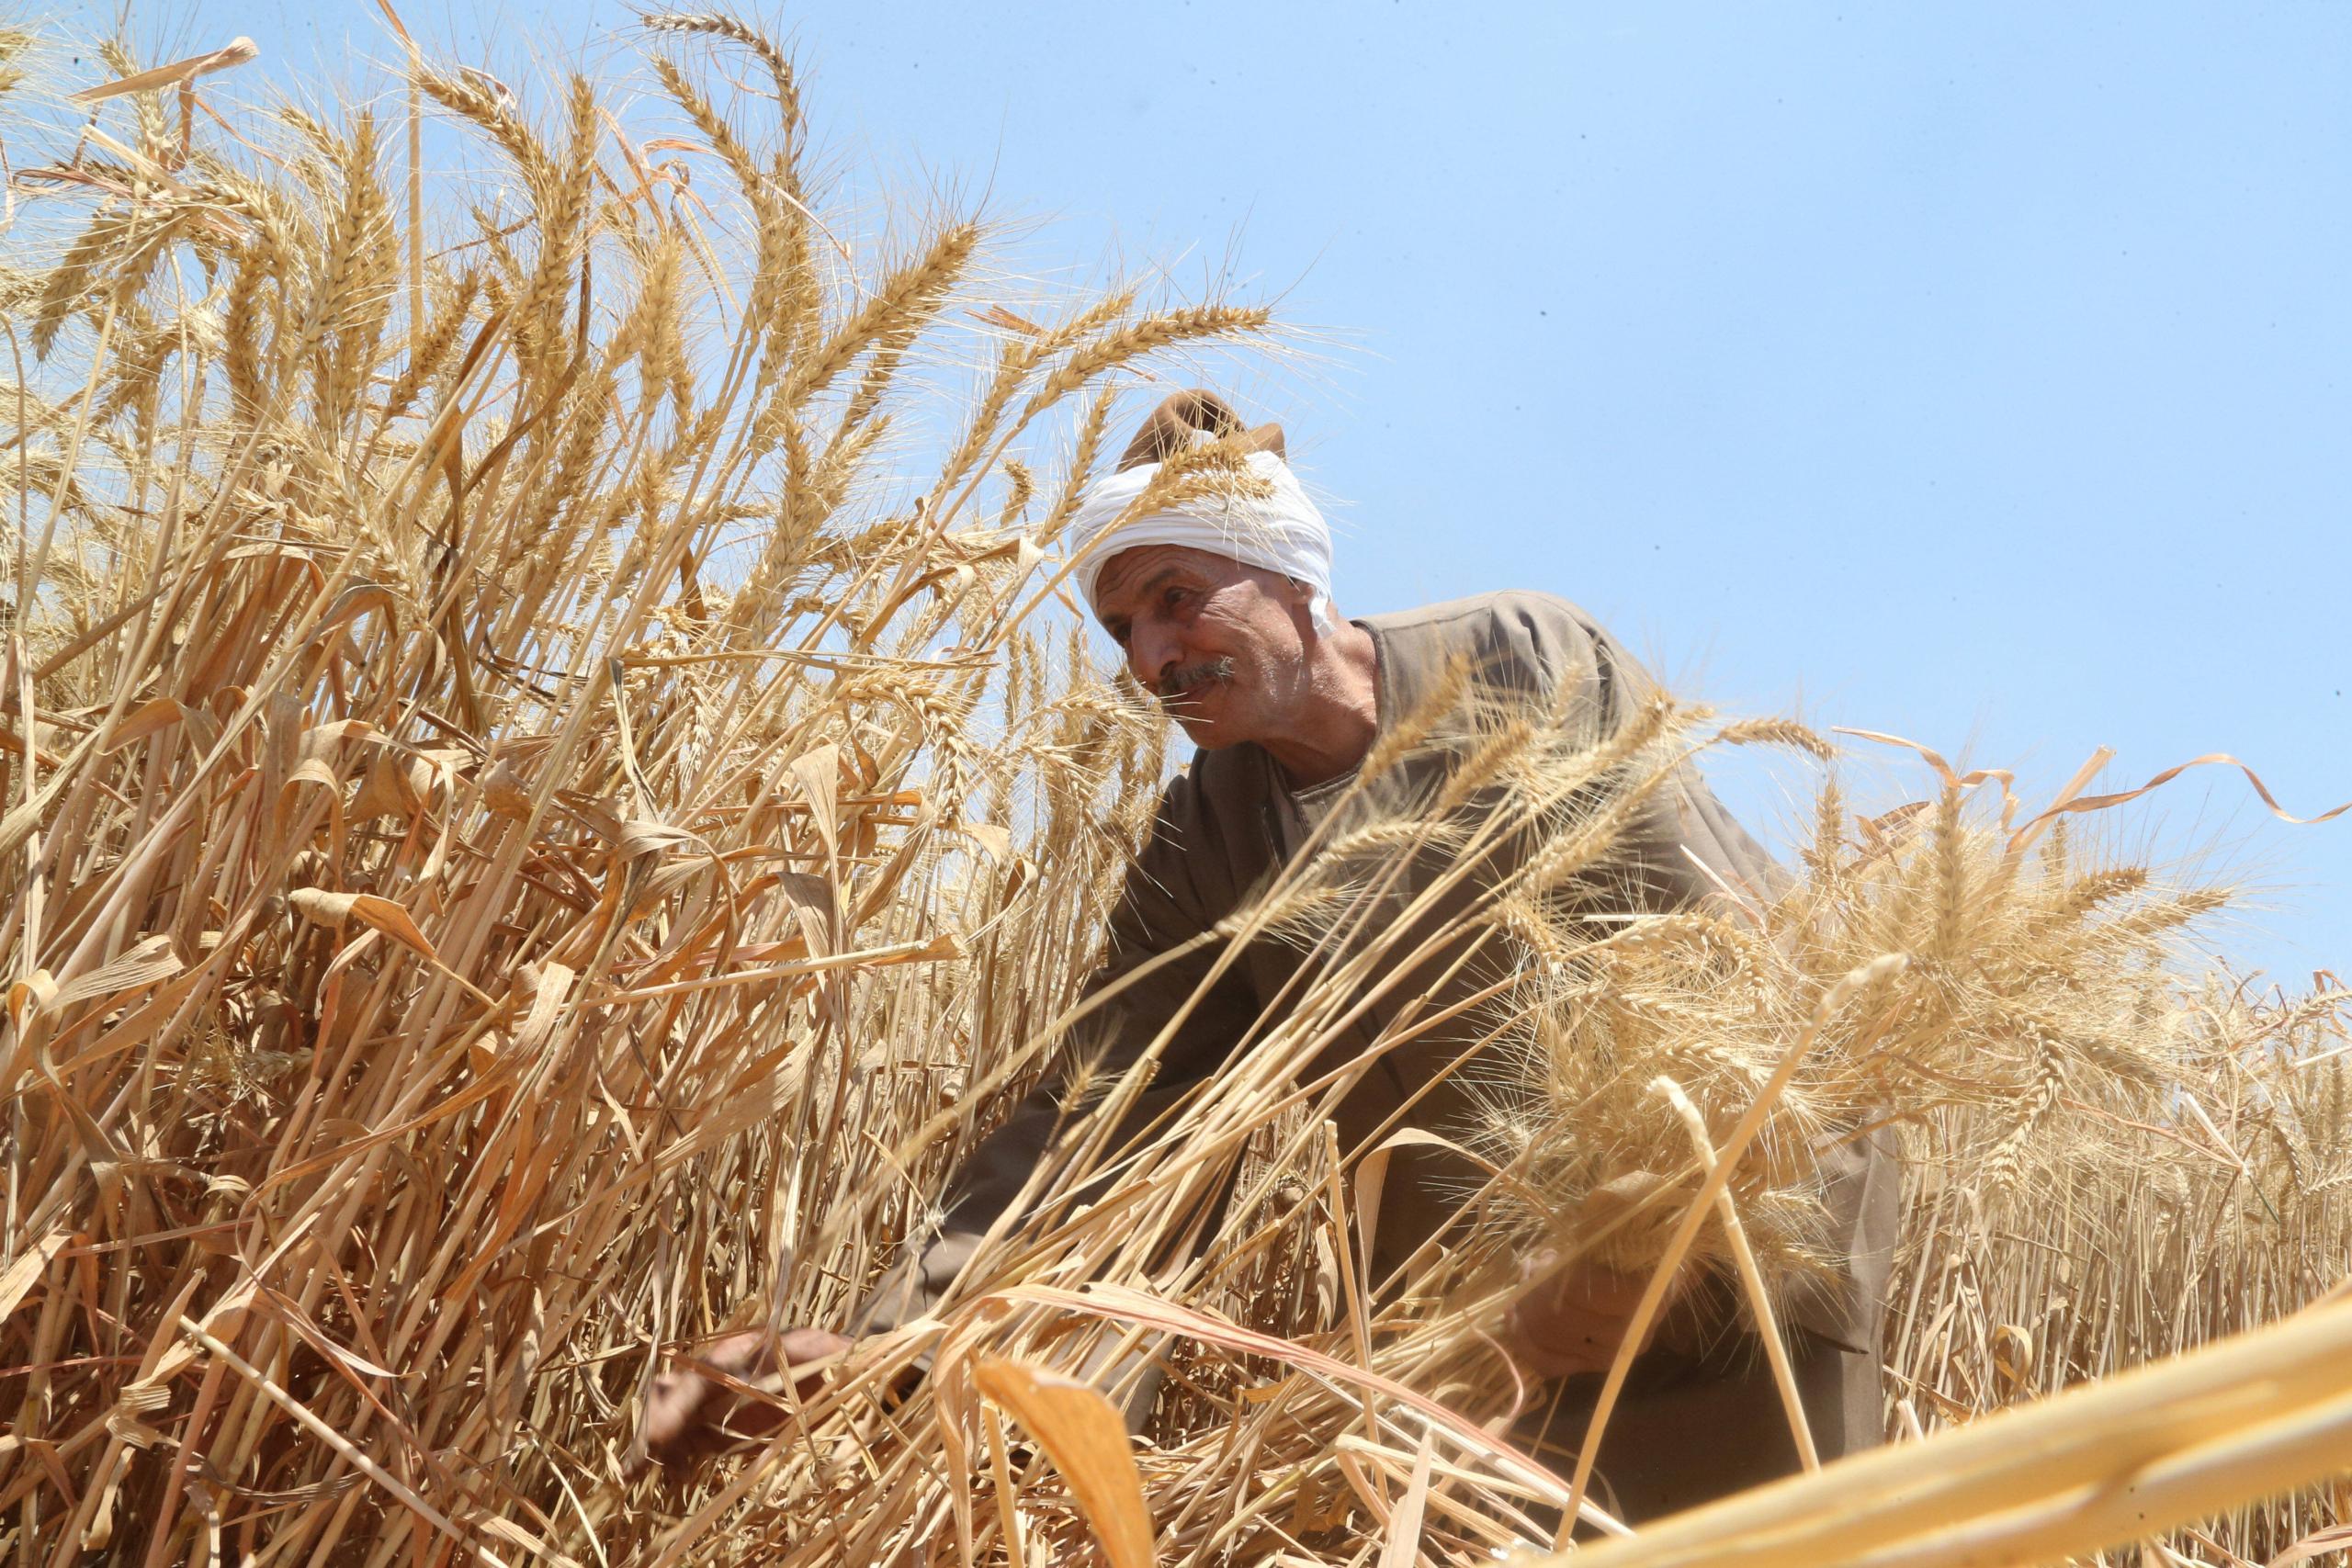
(1482, 614)
(1499, 633)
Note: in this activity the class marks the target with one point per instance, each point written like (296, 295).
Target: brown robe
(1689, 1428)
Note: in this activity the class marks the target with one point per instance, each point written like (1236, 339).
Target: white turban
(1279, 530)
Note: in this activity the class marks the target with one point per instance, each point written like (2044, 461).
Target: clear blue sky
(1978, 372)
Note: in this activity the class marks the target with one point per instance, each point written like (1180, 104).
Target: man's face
(1220, 644)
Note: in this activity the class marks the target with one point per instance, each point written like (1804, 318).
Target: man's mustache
(1176, 684)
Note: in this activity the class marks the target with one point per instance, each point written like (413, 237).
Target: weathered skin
(690, 1416)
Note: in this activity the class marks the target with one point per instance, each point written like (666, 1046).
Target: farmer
(1223, 613)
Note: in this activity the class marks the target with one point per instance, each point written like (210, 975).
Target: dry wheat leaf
(1403, 1548)
(158, 713)
(17, 1280)
(1082, 1432)
(387, 789)
(236, 51)
(150, 960)
(819, 772)
(322, 908)
(2313, 1547)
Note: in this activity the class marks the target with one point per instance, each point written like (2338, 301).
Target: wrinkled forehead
(1133, 568)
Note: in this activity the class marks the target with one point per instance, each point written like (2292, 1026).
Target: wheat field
(552, 791)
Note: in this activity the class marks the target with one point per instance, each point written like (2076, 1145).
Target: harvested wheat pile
(550, 795)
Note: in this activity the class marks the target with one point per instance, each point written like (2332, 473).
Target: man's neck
(1339, 713)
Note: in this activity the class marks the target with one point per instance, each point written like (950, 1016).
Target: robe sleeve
(1171, 895)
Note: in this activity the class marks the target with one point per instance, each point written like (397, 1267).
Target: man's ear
(1302, 600)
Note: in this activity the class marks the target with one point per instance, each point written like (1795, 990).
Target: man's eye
(1172, 598)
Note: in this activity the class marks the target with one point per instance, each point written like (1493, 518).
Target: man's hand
(690, 1414)
(1575, 1317)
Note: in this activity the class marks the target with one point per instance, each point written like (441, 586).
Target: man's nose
(1152, 651)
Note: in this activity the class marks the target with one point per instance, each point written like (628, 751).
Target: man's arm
(1176, 889)
(691, 1414)
(1171, 895)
